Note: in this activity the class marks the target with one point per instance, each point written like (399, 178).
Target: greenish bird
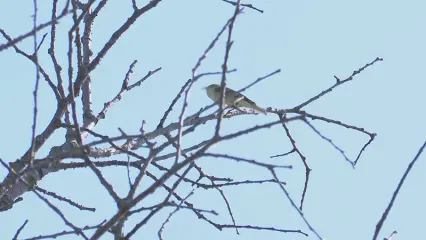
(232, 98)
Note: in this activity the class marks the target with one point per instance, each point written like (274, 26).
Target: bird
(232, 98)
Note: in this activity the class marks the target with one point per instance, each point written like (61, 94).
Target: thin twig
(160, 231)
(37, 81)
(64, 199)
(391, 236)
(338, 83)
(64, 233)
(328, 140)
(254, 162)
(258, 80)
(52, 54)
(40, 68)
(294, 205)
(19, 230)
(163, 119)
(229, 43)
(244, 5)
(16, 40)
(302, 157)
(261, 228)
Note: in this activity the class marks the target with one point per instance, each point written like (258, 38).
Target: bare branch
(53, 207)
(395, 194)
(125, 88)
(267, 76)
(124, 210)
(163, 119)
(225, 67)
(160, 231)
(238, 159)
(84, 54)
(39, 68)
(16, 40)
(60, 198)
(391, 236)
(261, 228)
(302, 157)
(294, 205)
(328, 140)
(64, 233)
(157, 169)
(19, 230)
(244, 5)
(338, 83)
(52, 54)
(114, 38)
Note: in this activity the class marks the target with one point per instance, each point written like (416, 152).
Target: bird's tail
(252, 105)
(259, 109)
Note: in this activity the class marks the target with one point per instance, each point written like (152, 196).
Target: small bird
(232, 98)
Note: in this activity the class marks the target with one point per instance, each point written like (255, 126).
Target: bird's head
(212, 91)
(211, 87)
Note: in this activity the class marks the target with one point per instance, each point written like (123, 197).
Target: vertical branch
(194, 78)
(35, 92)
(191, 82)
(225, 68)
(51, 51)
(117, 34)
(70, 67)
(77, 136)
(295, 149)
(181, 118)
(57, 66)
(86, 97)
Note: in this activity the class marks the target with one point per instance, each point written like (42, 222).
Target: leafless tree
(147, 152)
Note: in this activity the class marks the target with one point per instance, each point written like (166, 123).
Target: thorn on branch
(337, 79)
(142, 127)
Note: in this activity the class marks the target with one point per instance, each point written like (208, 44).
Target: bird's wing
(231, 96)
(234, 96)
(248, 100)
(239, 100)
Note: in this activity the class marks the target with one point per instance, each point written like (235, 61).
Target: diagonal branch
(395, 194)
(338, 83)
(16, 40)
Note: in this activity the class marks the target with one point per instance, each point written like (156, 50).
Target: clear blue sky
(310, 41)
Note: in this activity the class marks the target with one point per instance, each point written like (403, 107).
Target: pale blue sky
(310, 41)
